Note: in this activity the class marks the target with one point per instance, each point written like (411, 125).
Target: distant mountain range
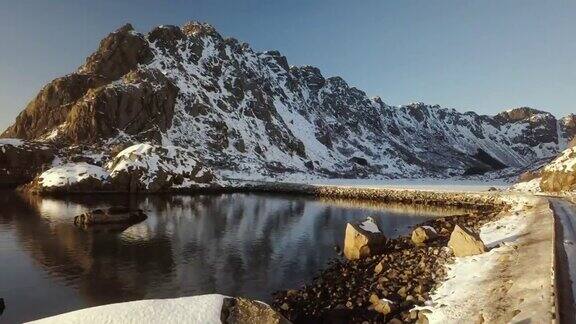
(184, 106)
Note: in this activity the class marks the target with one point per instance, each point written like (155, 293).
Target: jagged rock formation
(560, 174)
(138, 168)
(249, 115)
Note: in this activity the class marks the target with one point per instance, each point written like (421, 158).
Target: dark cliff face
(249, 113)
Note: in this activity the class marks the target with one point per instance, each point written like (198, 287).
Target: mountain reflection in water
(234, 244)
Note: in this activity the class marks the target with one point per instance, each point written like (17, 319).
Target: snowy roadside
(510, 283)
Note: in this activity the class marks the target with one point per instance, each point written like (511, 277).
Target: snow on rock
(204, 309)
(11, 141)
(71, 173)
(141, 167)
(370, 225)
(566, 162)
(430, 228)
(363, 239)
(528, 186)
(159, 166)
(560, 174)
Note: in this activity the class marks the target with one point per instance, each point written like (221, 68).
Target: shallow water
(235, 244)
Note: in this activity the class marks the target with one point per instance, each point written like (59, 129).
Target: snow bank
(71, 173)
(204, 309)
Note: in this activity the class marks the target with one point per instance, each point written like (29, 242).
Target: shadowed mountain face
(241, 112)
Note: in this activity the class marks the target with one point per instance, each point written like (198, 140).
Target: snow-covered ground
(495, 287)
(205, 309)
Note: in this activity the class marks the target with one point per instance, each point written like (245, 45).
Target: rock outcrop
(464, 242)
(140, 104)
(560, 174)
(363, 239)
(245, 311)
(138, 168)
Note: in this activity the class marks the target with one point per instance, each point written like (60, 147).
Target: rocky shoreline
(402, 277)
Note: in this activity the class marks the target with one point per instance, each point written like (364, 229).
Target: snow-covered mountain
(241, 114)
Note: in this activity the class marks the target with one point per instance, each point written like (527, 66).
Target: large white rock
(363, 239)
(464, 242)
(423, 234)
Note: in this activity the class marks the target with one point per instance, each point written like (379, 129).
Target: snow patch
(369, 225)
(528, 186)
(197, 309)
(71, 173)
(12, 142)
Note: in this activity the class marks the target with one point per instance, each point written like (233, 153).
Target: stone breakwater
(434, 198)
(467, 200)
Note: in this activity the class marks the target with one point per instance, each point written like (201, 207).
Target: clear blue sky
(484, 55)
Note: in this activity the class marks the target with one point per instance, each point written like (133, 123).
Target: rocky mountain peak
(518, 114)
(118, 53)
(200, 29)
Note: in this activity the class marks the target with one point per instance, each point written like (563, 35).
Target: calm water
(235, 244)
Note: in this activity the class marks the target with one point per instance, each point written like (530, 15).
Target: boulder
(245, 311)
(363, 239)
(423, 234)
(379, 267)
(464, 242)
(113, 215)
(381, 305)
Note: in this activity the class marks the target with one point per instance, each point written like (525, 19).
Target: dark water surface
(235, 244)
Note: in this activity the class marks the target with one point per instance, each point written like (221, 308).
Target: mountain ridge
(246, 114)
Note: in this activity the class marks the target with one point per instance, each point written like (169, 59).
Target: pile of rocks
(384, 286)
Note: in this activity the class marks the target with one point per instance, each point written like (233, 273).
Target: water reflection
(235, 244)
